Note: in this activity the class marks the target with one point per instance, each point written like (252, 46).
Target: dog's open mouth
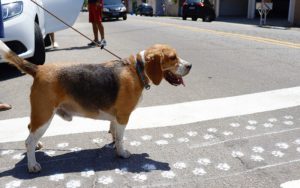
(173, 79)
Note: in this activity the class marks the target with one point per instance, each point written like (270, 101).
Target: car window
(112, 2)
(195, 1)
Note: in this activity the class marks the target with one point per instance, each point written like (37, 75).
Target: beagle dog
(107, 91)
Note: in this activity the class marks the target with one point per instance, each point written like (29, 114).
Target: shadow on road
(70, 48)
(8, 72)
(103, 159)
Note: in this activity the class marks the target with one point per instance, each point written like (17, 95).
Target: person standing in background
(95, 17)
(53, 42)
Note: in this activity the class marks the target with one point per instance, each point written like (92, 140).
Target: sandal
(4, 107)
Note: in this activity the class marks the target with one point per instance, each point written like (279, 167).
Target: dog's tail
(13, 59)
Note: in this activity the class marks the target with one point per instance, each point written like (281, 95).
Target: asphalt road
(260, 149)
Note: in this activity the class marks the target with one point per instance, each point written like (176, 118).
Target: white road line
(291, 184)
(166, 115)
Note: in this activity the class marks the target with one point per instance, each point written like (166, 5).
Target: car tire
(194, 18)
(125, 17)
(39, 55)
(184, 17)
(207, 18)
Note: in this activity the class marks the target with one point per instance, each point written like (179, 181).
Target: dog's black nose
(189, 66)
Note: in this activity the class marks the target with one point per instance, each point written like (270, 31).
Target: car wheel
(39, 55)
(125, 17)
(184, 17)
(194, 18)
(207, 18)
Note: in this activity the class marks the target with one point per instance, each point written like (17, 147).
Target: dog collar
(140, 70)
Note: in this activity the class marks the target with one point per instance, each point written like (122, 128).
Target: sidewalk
(271, 22)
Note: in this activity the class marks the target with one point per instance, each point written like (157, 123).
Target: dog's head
(162, 61)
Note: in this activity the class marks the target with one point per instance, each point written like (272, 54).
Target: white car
(26, 25)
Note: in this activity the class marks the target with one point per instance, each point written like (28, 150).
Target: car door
(66, 10)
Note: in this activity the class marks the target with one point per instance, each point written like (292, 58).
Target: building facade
(282, 9)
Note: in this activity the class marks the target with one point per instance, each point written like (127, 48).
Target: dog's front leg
(118, 134)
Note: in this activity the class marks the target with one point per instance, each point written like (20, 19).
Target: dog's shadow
(103, 159)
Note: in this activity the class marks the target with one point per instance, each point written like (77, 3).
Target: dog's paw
(124, 154)
(34, 168)
(39, 146)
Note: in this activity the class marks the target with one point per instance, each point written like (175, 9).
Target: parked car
(198, 9)
(26, 26)
(114, 9)
(144, 9)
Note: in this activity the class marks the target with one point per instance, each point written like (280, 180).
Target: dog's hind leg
(42, 113)
(39, 145)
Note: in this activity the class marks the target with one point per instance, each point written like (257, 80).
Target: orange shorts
(95, 12)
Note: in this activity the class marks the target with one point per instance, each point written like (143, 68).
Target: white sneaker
(55, 45)
(103, 42)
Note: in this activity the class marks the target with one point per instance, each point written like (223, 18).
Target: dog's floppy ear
(153, 66)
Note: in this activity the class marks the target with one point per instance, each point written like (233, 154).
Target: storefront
(282, 9)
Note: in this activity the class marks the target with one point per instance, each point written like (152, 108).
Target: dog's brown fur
(52, 93)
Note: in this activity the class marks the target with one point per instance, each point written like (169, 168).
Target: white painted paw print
(282, 145)
(121, 171)
(135, 143)
(257, 158)
(19, 156)
(56, 177)
(168, 135)
(208, 136)
(168, 174)
(183, 140)
(63, 145)
(268, 125)
(288, 117)
(105, 180)
(204, 161)
(140, 177)
(161, 142)
(87, 173)
(149, 167)
(7, 152)
(288, 122)
(76, 149)
(250, 127)
(237, 154)
(179, 165)
(277, 154)
(223, 166)
(297, 141)
(13, 184)
(252, 122)
(199, 171)
(73, 184)
(50, 153)
(258, 149)
(227, 133)
(272, 120)
(235, 125)
(212, 130)
(146, 137)
(298, 149)
(97, 140)
(192, 133)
